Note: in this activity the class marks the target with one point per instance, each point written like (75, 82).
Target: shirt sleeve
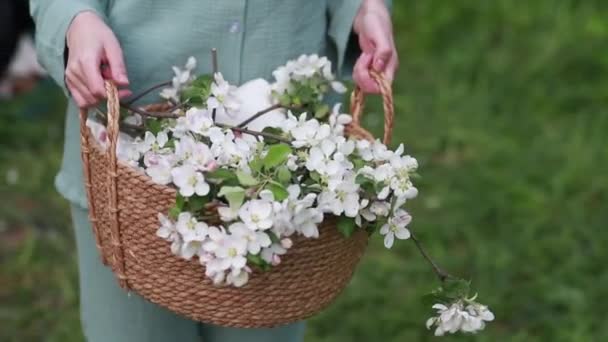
(52, 19)
(341, 17)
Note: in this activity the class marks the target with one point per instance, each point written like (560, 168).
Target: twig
(160, 115)
(248, 131)
(238, 129)
(443, 275)
(214, 60)
(123, 124)
(258, 114)
(215, 70)
(264, 111)
(147, 91)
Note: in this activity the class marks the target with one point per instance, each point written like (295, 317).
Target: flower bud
(276, 259)
(286, 243)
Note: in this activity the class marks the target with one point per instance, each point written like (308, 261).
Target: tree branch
(147, 91)
(441, 274)
(159, 115)
(258, 114)
(248, 131)
(264, 111)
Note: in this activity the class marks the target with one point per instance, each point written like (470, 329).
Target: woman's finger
(75, 94)
(392, 67)
(115, 60)
(78, 87)
(91, 75)
(382, 55)
(361, 74)
(122, 93)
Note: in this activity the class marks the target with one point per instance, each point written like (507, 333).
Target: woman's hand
(374, 27)
(94, 54)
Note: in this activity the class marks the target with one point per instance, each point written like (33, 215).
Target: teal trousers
(110, 314)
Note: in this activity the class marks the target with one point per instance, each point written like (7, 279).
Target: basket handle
(357, 102)
(112, 130)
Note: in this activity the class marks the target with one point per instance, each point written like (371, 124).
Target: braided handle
(357, 102)
(112, 131)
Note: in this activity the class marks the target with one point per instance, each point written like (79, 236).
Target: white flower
(194, 153)
(337, 120)
(159, 167)
(344, 199)
(321, 160)
(400, 181)
(306, 222)
(227, 213)
(229, 251)
(271, 254)
(231, 150)
(153, 143)
(257, 214)
(192, 232)
(223, 99)
(456, 318)
(256, 240)
(396, 227)
(338, 87)
(282, 77)
(189, 181)
(237, 277)
(168, 232)
(199, 121)
(309, 132)
(182, 78)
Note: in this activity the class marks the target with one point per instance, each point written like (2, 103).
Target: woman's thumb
(118, 71)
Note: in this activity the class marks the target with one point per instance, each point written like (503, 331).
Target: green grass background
(504, 105)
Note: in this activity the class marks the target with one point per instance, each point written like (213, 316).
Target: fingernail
(379, 64)
(122, 78)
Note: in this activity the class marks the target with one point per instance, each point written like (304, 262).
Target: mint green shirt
(252, 37)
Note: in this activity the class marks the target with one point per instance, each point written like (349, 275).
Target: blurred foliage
(503, 103)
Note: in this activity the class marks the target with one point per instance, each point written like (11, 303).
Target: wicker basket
(123, 207)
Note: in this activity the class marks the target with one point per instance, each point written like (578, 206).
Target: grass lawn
(504, 105)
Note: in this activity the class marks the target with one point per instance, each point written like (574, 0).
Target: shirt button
(235, 27)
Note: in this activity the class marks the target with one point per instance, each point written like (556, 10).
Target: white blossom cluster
(306, 67)
(263, 190)
(463, 315)
(263, 225)
(182, 78)
(319, 172)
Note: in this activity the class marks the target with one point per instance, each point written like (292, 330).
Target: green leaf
(315, 176)
(366, 183)
(273, 237)
(235, 195)
(220, 175)
(154, 126)
(272, 130)
(277, 154)
(322, 111)
(358, 162)
(415, 175)
(278, 191)
(283, 174)
(346, 226)
(246, 179)
(198, 91)
(174, 212)
(258, 261)
(454, 288)
(179, 201)
(256, 164)
(196, 203)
